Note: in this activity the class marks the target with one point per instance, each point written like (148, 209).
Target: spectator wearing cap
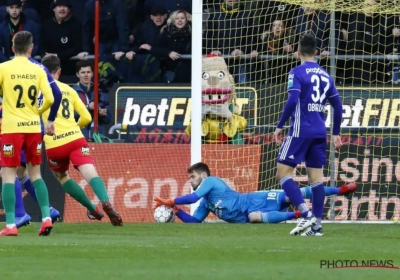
(114, 30)
(149, 32)
(170, 5)
(29, 12)
(61, 36)
(144, 67)
(14, 22)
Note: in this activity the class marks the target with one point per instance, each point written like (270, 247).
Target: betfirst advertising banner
(161, 114)
(136, 173)
(369, 107)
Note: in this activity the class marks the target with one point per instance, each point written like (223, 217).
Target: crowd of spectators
(145, 39)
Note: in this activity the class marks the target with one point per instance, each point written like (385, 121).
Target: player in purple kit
(309, 87)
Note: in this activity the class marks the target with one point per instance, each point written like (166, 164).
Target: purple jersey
(312, 86)
(49, 76)
(56, 92)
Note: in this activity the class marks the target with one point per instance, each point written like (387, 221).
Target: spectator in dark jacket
(114, 29)
(149, 32)
(29, 12)
(144, 67)
(392, 43)
(175, 39)
(60, 36)
(14, 22)
(366, 36)
(279, 40)
(227, 33)
(85, 90)
(318, 23)
(170, 5)
(135, 15)
(266, 11)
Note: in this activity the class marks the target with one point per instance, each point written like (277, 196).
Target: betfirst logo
(165, 113)
(383, 112)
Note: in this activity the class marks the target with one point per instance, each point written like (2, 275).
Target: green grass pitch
(200, 251)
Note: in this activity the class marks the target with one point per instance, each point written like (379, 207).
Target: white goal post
(197, 30)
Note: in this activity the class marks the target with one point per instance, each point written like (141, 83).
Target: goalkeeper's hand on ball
(169, 202)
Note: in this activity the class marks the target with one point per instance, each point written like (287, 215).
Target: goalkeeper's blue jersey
(230, 206)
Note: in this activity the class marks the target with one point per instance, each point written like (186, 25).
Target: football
(164, 214)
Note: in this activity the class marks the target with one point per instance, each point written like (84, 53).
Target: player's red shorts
(77, 152)
(13, 143)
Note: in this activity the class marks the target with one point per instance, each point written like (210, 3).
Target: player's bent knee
(34, 171)
(61, 176)
(283, 170)
(255, 217)
(88, 171)
(314, 174)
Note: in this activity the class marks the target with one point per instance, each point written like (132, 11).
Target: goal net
(358, 44)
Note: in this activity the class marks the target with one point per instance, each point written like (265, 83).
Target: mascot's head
(218, 88)
(218, 84)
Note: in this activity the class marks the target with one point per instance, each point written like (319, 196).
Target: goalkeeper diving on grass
(232, 207)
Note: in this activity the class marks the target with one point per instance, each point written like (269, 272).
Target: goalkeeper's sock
(276, 217)
(8, 196)
(26, 182)
(331, 191)
(42, 195)
(77, 193)
(292, 191)
(318, 193)
(99, 189)
(19, 202)
(307, 193)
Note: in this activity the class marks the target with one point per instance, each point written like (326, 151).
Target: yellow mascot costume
(221, 120)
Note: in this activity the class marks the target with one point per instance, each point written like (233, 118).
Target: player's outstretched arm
(205, 187)
(185, 217)
(198, 216)
(180, 200)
